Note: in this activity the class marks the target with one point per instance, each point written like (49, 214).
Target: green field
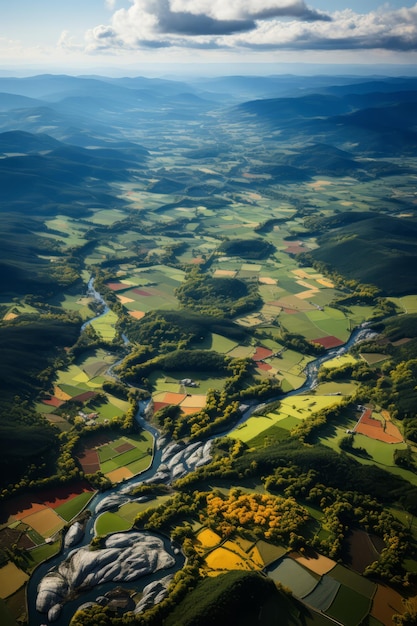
(73, 507)
(45, 551)
(171, 383)
(349, 607)
(274, 424)
(136, 459)
(105, 325)
(110, 523)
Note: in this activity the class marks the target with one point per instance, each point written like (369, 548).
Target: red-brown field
(89, 461)
(141, 292)
(10, 536)
(264, 367)
(375, 429)
(386, 603)
(118, 286)
(85, 397)
(53, 401)
(159, 405)
(261, 353)
(124, 447)
(362, 550)
(329, 342)
(22, 506)
(295, 247)
(316, 563)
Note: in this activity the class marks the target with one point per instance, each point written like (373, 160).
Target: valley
(236, 232)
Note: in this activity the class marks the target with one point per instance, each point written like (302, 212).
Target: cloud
(249, 9)
(253, 24)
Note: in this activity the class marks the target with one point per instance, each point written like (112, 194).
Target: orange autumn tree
(271, 517)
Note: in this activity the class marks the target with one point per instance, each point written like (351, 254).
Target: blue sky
(126, 35)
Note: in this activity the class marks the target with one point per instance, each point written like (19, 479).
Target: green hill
(380, 250)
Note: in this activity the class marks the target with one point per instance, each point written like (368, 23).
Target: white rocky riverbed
(124, 557)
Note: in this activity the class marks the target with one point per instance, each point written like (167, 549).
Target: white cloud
(253, 24)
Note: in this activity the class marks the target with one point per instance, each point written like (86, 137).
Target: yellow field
(194, 401)
(256, 557)
(11, 579)
(46, 522)
(61, 395)
(229, 273)
(264, 280)
(339, 361)
(223, 559)
(117, 475)
(124, 299)
(208, 538)
(325, 282)
(137, 314)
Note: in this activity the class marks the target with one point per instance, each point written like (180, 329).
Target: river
(38, 619)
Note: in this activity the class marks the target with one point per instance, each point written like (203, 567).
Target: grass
(111, 523)
(105, 325)
(222, 344)
(140, 465)
(269, 436)
(349, 607)
(292, 575)
(339, 361)
(130, 456)
(35, 536)
(45, 551)
(74, 506)
(6, 618)
(129, 510)
(355, 582)
(109, 466)
(205, 380)
(260, 429)
(136, 460)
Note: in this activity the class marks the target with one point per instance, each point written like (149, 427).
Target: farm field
(181, 205)
(117, 457)
(82, 381)
(220, 556)
(148, 289)
(124, 517)
(291, 411)
(31, 522)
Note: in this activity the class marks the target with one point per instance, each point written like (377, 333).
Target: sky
(129, 36)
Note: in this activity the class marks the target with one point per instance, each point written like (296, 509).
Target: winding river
(122, 491)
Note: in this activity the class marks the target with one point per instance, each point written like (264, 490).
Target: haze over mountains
(239, 226)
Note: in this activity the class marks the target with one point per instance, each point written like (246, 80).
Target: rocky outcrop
(153, 594)
(111, 502)
(123, 558)
(178, 459)
(74, 535)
